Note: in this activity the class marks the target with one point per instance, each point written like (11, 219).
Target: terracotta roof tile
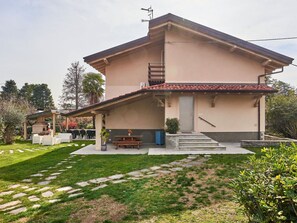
(212, 87)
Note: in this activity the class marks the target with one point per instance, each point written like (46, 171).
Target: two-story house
(212, 82)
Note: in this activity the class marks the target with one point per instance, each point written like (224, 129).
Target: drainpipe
(259, 104)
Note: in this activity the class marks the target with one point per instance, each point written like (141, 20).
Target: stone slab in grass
(11, 151)
(47, 194)
(155, 168)
(37, 175)
(36, 206)
(10, 204)
(43, 189)
(166, 165)
(176, 169)
(135, 174)
(116, 177)
(64, 188)
(14, 186)
(4, 193)
(75, 195)
(53, 201)
(30, 189)
(151, 175)
(27, 180)
(21, 151)
(18, 210)
(82, 184)
(19, 195)
(119, 181)
(99, 180)
(55, 174)
(33, 198)
(164, 171)
(51, 178)
(46, 182)
(99, 187)
(73, 191)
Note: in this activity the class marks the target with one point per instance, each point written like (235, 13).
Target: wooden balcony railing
(156, 73)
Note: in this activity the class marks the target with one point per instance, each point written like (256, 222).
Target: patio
(152, 149)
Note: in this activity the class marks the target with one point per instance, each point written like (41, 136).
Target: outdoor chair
(36, 139)
(50, 140)
(64, 137)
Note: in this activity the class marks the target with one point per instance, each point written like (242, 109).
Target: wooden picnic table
(128, 141)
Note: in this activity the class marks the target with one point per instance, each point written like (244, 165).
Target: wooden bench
(127, 143)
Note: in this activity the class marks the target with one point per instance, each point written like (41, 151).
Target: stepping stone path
(50, 194)
(1, 152)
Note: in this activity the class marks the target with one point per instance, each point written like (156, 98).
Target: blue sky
(40, 38)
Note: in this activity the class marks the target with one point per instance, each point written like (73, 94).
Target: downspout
(259, 104)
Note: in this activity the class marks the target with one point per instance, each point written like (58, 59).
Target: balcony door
(186, 113)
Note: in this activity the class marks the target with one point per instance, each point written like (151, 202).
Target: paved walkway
(231, 148)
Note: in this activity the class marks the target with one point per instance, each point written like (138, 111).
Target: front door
(186, 113)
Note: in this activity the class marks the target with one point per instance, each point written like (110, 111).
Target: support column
(25, 130)
(98, 125)
(67, 123)
(54, 124)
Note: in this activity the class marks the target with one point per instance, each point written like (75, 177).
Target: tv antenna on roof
(150, 13)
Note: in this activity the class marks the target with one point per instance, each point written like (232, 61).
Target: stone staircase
(198, 141)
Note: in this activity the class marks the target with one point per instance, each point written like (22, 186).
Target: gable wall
(124, 74)
(192, 60)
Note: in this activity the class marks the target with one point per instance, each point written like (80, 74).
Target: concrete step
(181, 140)
(199, 143)
(201, 148)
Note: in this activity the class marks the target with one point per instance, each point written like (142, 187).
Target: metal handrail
(207, 121)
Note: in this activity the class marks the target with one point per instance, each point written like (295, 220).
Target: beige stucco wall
(124, 74)
(188, 59)
(232, 113)
(143, 114)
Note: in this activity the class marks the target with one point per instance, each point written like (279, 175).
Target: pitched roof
(179, 87)
(219, 35)
(201, 30)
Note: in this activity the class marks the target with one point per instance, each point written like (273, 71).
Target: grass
(198, 194)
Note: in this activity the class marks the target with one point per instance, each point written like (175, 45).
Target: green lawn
(196, 194)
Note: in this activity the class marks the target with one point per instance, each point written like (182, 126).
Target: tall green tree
(26, 92)
(93, 87)
(72, 94)
(42, 97)
(9, 90)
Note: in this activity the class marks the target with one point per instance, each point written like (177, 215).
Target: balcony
(156, 73)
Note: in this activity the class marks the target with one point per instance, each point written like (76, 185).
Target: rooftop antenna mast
(150, 13)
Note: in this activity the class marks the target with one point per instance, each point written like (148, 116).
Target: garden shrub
(267, 188)
(172, 125)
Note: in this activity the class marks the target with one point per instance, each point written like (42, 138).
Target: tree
(41, 97)
(72, 87)
(12, 115)
(26, 92)
(281, 109)
(9, 90)
(93, 87)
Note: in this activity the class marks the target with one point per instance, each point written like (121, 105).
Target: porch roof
(106, 105)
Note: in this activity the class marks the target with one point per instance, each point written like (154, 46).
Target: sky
(39, 39)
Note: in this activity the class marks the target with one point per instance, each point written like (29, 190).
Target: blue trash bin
(160, 137)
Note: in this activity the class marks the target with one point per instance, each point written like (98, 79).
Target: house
(212, 82)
